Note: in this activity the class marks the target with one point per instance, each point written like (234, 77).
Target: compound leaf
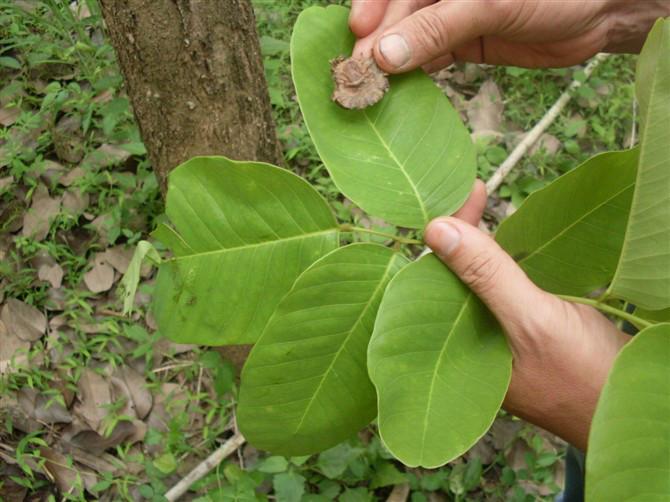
(440, 364)
(643, 274)
(305, 385)
(243, 232)
(406, 159)
(568, 236)
(629, 442)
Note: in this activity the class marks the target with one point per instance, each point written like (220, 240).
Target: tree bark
(194, 75)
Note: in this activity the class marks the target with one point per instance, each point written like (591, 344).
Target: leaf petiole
(403, 240)
(608, 309)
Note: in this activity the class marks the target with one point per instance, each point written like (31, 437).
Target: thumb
(487, 270)
(433, 32)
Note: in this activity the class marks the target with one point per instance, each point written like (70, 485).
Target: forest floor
(94, 405)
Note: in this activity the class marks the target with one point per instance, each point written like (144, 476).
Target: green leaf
(305, 386)
(243, 232)
(166, 463)
(630, 434)
(643, 274)
(333, 462)
(273, 465)
(568, 236)
(387, 474)
(653, 315)
(289, 487)
(359, 494)
(406, 159)
(272, 46)
(131, 279)
(440, 364)
(9, 62)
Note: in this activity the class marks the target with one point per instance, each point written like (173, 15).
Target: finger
(437, 64)
(473, 208)
(396, 11)
(488, 271)
(366, 15)
(433, 32)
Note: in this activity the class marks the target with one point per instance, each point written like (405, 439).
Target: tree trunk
(195, 78)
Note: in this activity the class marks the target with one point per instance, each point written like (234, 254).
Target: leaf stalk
(608, 309)
(353, 229)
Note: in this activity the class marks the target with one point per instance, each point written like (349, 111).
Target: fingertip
(473, 208)
(443, 235)
(365, 16)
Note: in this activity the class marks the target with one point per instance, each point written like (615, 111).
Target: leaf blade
(413, 140)
(305, 386)
(633, 409)
(643, 274)
(243, 232)
(568, 236)
(432, 331)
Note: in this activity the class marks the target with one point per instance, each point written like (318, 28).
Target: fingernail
(448, 238)
(395, 50)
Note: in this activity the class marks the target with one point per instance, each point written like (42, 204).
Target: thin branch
(203, 468)
(534, 134)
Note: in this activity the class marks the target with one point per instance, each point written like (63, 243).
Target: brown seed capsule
(359, 82)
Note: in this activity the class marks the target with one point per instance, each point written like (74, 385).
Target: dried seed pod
(359, 82)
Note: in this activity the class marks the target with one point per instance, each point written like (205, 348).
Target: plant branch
(403, 240)
(608, 309)
(534, 134)
(205, 466)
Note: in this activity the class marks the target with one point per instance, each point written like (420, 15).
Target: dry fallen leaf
(137, 387)
(23, 320)
(483, 450)
(94, 398)
(64, 474)
(53, 274)
(49, 410)
(75, 202)
(101, 277)
(106, 155)
(6, 182)
(72, 176)
(359, 82)
(119, 257)
(43, 209)
(485, 111)
(95, 443)
(11, 347)
(9, 115)
(52, 172)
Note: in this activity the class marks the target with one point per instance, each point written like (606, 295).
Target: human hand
(562, 351)
(407, 34)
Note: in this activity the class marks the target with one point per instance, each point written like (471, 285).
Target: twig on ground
(534, 134)
(204, 467)
(400, 493)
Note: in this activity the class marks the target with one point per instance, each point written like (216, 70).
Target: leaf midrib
(401, 166)
(431, 390)
(256, 245)
(574, 223)
(324, 377)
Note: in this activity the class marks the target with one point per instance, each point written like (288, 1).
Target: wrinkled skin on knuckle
(431, 32)
(481, 273)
